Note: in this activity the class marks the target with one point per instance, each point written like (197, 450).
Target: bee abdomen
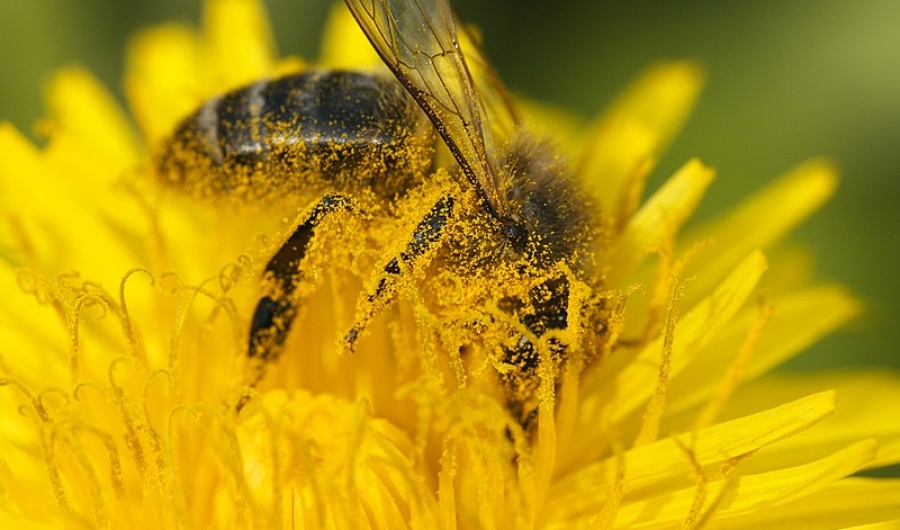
(336, 129)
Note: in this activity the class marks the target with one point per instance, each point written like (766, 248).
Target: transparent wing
(501, 113)
(417, 40)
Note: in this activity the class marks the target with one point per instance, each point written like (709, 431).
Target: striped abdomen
(338, 130)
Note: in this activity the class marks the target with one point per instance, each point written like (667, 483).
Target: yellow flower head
(189, 341)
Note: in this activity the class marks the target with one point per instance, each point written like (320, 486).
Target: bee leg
(424, 237)
(546, 310)
(275, 312)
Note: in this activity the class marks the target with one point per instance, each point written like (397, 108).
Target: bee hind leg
(424, 238)
(275, 312)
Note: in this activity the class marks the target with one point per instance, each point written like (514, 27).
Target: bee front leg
(275, 312)
(424, 237)
(544, 310)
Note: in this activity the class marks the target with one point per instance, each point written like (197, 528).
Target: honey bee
(349, 133)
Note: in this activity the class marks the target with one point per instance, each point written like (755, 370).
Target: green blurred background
(787, 80)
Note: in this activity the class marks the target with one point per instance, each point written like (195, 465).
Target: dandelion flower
(125, 309)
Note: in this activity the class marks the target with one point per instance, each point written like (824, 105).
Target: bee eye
(516, 234)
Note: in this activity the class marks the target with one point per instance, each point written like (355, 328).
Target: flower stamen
(737, 369)
(656, 406)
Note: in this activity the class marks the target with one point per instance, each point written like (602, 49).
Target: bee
(349, 133)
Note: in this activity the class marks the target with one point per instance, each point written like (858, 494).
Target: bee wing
(417, 40)
(500, 113)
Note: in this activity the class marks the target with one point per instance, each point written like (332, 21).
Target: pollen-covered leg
(426, 234)
(276, 311)
(544, 310)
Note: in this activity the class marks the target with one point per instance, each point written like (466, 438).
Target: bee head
(516, 233)
(548, 218)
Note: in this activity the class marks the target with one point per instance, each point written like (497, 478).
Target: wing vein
(417, 40)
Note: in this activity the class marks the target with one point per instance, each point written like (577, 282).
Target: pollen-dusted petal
(608, 401)
(87, 472)
(663, 464)
(484, 492)
(238, 44)
(344, 45)
(321, 462)
(799, 320)
(659, 217)
(759, 222)
(162, 80)
(128, 399)
(693, 332)
(635, 129)
(749, 495)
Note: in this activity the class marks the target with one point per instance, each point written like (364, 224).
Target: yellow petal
(33, 511)
(664, 461)
(609, 401)
(693, 333)
(662, 97)
(561, 126)
(48, 209)
(635, 129)
(793, 268)
(799, 320)
(660, 216)
(91, 142)
(757, 223)
(329, 464)
(161, 79)
(866, 408)
(23, 328)
(19, 158)
(344, 45)
(888, 454)
(238, 44)
(748, 496)
(103, 422)
(87, 126)
(849, 503)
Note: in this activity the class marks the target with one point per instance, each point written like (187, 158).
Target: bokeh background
(787, 80)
